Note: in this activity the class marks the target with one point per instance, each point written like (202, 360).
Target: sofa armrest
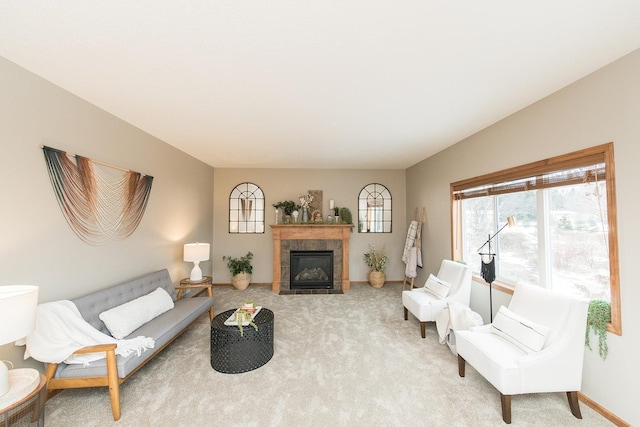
(111, 379)
(109, 349)
(96, 348)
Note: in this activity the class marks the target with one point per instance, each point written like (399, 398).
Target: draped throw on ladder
(99, 206)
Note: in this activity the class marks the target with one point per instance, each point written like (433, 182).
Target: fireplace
(323, 237)
(311, 270)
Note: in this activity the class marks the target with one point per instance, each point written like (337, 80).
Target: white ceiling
(315, 84)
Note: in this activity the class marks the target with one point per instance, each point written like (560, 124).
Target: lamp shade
(196, 252)
(18, 306)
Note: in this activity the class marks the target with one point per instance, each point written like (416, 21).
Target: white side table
(29, 410)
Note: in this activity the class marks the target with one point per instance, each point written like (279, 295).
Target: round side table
(234, 354)
(187, 284)
(29, 411)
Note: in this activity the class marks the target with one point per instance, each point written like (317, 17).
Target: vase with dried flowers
(376, 260)
(305, 202)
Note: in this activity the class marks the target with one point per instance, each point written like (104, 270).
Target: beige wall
(343, 186)
(37, 247)
(600, 108)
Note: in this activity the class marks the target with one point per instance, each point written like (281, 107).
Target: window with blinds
(566, 238)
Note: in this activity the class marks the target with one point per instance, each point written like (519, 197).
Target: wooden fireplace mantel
(311, 232)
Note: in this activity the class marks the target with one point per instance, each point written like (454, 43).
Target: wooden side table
(186, 284)
(28, 411)
(204, 285)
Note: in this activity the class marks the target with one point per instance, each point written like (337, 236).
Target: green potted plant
(240, 269)
(288, 207)
(376, 260)
(345, 216)
(598, 316)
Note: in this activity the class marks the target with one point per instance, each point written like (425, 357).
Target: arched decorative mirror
(246, 209)
(374, 209)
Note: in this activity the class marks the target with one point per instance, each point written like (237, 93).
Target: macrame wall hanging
(100, 205)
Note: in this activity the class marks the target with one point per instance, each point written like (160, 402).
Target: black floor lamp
(488, 268)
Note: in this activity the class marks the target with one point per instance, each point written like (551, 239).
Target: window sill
(501, 286)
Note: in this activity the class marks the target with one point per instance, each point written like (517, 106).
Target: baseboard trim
(603, 411)
(391, 282)
(250, 284)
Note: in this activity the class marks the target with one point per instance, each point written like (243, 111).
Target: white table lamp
(18, 306)
(196, 252)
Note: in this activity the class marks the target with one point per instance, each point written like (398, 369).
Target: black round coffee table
(234, 354)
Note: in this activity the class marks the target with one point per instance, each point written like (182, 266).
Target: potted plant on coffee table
(376, 259)
(240, 269)
(243, 314)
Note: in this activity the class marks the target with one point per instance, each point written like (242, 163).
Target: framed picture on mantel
(316, 203)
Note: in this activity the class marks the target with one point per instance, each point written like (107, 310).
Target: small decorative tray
(231, 321)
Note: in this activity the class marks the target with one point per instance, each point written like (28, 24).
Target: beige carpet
(340, 360)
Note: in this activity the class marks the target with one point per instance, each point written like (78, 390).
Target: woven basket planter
(241, 280)
(377, 278)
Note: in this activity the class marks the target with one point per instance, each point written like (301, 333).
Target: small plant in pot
(345, 216)
(240, 269)
(288, 207)
(598, 316)
(376, 260)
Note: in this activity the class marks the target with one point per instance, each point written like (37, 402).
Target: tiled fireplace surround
(321, 237)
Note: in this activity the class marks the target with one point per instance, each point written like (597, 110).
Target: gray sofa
(163, 329)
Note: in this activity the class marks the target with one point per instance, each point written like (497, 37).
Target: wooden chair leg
(423, 329)
(114, 384)
(461, 366)
(505, 400)
(406, 314)
(574, 404)
(50, 372)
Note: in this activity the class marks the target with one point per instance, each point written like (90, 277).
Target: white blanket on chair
(455, 317)
(61, 330)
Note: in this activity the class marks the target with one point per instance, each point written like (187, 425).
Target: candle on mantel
(330, 204)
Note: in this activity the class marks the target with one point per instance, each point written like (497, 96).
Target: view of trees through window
(565, 238)
(560, 240)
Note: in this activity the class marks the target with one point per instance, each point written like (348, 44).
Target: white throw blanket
(61, 330)
(412, 263)
(412, 253)
(410, 242)
(455, 317)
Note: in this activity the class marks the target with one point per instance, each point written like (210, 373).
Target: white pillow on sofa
(126, 318)
(436, 287)
(527, 335)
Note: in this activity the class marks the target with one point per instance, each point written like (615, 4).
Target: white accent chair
(557, 367)
(425, 306)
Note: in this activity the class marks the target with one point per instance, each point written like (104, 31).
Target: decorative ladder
(418, 243)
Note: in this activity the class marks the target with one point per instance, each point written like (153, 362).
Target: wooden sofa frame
(112, 380)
